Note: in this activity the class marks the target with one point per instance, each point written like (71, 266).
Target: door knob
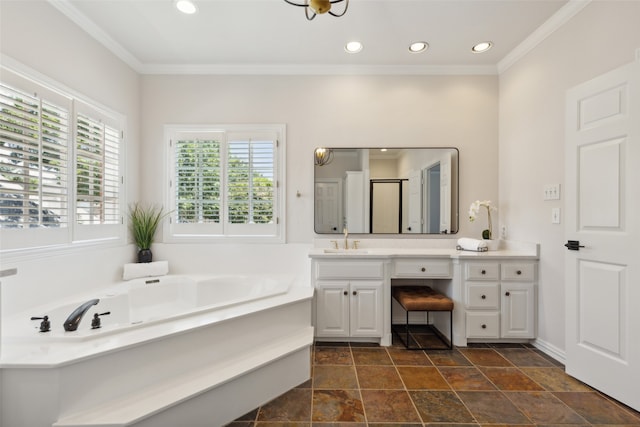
(573, 245)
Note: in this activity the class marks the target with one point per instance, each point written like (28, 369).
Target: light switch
(555, 215)
(552, 192)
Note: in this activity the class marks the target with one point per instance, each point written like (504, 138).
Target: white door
(332, 309)
(445, 194)
(328, 208)
(414, 204)
(366, 309)
(602, 161)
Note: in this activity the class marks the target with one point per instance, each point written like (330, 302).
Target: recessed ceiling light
(353, 47)
(482, 47)
(186, 6)
(383, 149)
(418, 47)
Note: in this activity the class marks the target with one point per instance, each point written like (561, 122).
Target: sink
(346, 251)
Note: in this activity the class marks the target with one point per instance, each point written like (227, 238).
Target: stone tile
(371, 356)
(440, 407)
(447, 358)
(492, 407)
(379, 377)
(422, 378)
(282, 424)
(555, 379)
(334, 377)
(544, 408)
(389, 406)
(597, 409)
(337, 406)
(511, 379)
(339, 424)
(332, 356)
(523, 357)
(402, 357)
(331, 344)
(466, 378)
(484, 357)
(240, 424)
(294, 405)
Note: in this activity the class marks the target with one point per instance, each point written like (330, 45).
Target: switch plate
(552, 192)
(555, 215)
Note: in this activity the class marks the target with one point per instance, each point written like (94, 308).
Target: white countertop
(412, 248)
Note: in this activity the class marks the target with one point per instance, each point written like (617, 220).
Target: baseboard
(550, 350)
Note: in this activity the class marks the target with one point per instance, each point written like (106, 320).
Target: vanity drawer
(519, 271)
(483, 271)
(483, 296)
(349, 270)
(435, 268)
(483, 325)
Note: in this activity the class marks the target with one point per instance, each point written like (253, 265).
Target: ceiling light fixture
(186, 6)
(353, 47)
(318, 7)
(418, 47)
(322, 156)
(482, 47)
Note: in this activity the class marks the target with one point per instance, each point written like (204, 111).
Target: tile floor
(357, 385)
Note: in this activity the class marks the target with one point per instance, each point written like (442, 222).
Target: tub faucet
(72, 322)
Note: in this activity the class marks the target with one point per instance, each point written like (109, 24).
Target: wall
(337, 111)
(601, 37)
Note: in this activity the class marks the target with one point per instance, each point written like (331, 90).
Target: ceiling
(271, 36)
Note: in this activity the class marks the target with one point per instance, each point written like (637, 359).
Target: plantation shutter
(251, 187)
(196, 182)
(98, 143)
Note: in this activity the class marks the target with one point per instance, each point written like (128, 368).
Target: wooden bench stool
(422, 299)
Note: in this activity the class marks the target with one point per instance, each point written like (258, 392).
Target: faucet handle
(335, 244)
(95, 322)
(45, 325)
(355, 244)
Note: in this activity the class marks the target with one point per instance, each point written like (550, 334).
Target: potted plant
(144, 221)
(474, 209)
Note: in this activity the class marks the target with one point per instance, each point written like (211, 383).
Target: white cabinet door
(332, 309)
(366, 309)
(517, 310)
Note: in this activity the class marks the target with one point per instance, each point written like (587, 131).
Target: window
(224, 182)
(49, 143)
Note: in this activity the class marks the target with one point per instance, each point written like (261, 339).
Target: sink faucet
(346, 237)
(72, 322)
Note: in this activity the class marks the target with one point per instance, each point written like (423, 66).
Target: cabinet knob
(423, 269)
(507, 293)
(355, 293)
(346, 293)
(484, 326)
(483, 297)
(483, 272)
(519, 272)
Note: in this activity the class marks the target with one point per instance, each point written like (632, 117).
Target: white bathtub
(174, 349)
(146, 301)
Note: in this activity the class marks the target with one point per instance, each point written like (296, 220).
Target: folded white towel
(468, 244)
(145, 269)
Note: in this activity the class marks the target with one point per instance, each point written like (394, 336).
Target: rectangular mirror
(386, 191)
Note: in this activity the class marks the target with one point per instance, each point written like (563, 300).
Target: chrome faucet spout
(72, 322)
(346, 237)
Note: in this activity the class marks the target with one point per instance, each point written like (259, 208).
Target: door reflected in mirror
(395, 191)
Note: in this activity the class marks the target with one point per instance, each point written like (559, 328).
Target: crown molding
(71, 12)
(557, 20)
(295, 69)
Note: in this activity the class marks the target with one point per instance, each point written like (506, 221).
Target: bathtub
(175, 349)
(141, 302)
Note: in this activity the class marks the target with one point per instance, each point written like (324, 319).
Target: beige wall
(338, 111)
(601, 37)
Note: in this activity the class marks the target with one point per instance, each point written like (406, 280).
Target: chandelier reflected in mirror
(318, 7)
(322, 156)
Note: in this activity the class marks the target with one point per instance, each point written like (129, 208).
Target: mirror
(386, 191)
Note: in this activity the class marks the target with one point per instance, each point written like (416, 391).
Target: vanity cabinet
(349, 298)
(500, 300)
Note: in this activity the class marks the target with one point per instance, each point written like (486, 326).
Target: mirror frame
(349, 168)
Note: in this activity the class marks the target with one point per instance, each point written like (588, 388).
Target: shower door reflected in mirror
(397, 191)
